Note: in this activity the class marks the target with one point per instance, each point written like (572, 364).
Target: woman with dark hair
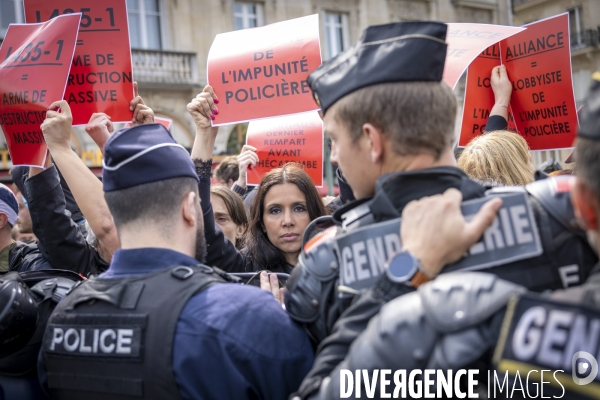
(286, 202)
(229, 214)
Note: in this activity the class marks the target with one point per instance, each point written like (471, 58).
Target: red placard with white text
(294, 138)
(101, 79)
(261, 72)
(33, 74)
(538, 63)
(479, 102)
(467, 41)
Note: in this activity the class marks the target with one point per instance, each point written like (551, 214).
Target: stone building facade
(171, 40)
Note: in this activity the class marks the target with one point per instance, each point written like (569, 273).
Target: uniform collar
(145, 260)
(400, 188)
(395, 190)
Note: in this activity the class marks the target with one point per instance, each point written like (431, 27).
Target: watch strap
(418, 279)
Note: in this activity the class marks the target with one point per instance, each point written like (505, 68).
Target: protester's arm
(238, 189)
(438, 216)
(247, 159)
(59, 238)
(220, 251)
(86, 188)
(203, 109)
(142, 114)
(502, 88)
(100, 126)
(99, 129)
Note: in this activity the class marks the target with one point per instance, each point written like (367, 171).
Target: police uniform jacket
(343, 322)
(60, 242)
(506, 329)
(230, 342)
(345, 196)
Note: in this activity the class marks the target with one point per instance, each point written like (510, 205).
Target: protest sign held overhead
(278, 141)
(480, 97)
(261, 72)
(101, 79)
(35, 67)
(466, 42)
(538, 62)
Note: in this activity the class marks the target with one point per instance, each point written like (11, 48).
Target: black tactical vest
(557, 334)
(113, 337)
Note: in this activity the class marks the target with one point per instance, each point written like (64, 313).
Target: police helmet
(18, 314)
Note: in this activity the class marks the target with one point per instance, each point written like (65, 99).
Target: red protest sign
(294, 138)
(261, 72)
(101, 78)
(33, 74)
(538, 62)
(467, 41)
(479, 98)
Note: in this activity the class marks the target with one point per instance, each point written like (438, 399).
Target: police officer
(159, 324)
(27, 300)
(391, 121)
(460, 319)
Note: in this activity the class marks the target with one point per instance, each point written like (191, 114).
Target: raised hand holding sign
(33, 74)
(262, 72)
(101, 78)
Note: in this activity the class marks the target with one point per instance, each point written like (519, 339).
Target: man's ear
(3, 220)
(188, 209)
(376, 142)
(586, 205)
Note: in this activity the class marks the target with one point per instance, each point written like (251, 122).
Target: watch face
(402, 267)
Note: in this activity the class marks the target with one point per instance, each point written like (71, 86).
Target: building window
(144, 24)
(336, 33)
(247, 15)
(576, 26)
(11, 11)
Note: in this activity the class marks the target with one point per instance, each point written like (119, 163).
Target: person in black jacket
(60, 244)
(85, 187)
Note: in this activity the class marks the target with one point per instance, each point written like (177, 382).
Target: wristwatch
(405, 268)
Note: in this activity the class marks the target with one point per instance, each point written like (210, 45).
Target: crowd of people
(166, 279)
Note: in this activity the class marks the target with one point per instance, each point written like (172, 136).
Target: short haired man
(391, 121)
(456, 321)
(159, 324)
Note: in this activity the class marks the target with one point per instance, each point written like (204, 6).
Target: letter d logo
(582, 367)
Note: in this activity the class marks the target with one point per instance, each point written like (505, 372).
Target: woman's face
(223, 219)
(285, 217)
